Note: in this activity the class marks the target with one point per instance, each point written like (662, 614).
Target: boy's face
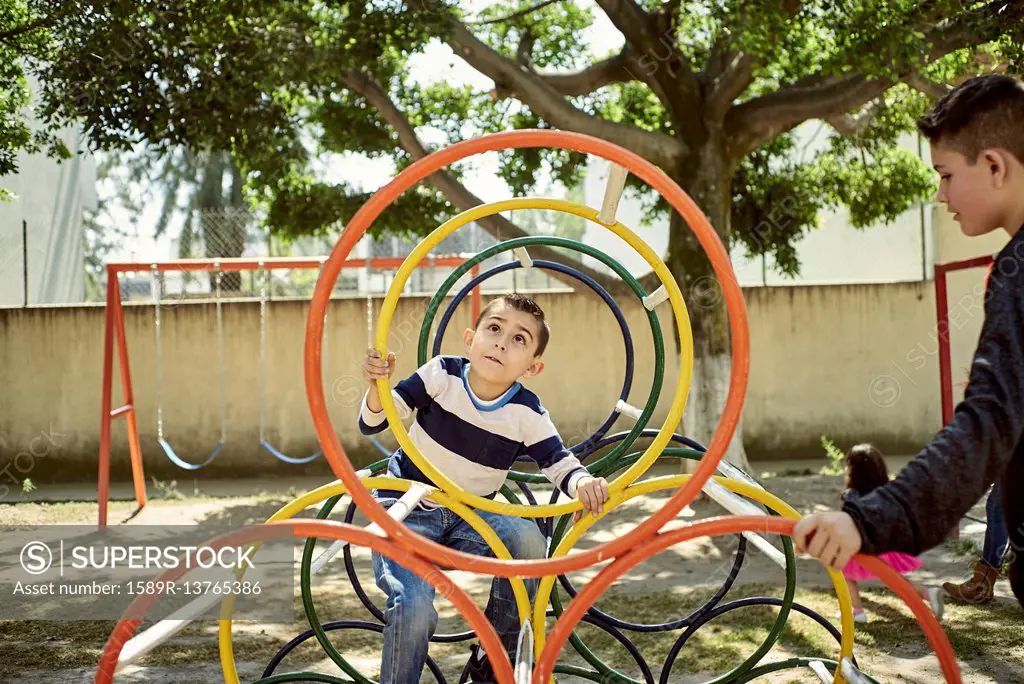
(977, 194)
(503, 347)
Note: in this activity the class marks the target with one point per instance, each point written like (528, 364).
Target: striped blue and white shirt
(473, 442)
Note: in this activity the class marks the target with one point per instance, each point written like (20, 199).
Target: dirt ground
(989, 640)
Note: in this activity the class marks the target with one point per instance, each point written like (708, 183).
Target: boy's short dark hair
(981, 113)
(526, 305)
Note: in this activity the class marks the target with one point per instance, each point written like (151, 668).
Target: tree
(213, 185)
(710, 91)
(204, 191)
(19, 35)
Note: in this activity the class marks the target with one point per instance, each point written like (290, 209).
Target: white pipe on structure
(524, 654)
(523, 256)
(627, 409)
(145, 642)
(818, 668)
(851, 673)
(612, 194)
(163, 630)
(737, 505)
(399, 512)
(320, 561)
(652, 300)
(403, 507)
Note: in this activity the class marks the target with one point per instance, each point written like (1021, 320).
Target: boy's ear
(467, 337)
(535, 369)
(996, 163)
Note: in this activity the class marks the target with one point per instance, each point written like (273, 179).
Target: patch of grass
(84, 512)
(980, 634)
(963, 547)
(977, 633)
(63, 512)
(167, 490)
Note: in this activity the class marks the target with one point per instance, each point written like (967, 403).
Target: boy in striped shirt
(473, 420)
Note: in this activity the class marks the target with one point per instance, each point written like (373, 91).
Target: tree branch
(548, 103)
(662, 66)
(667, 19)
(461, 198)
(755, 122)
(524, 53)
(730, 73)
(42, 22)
(730, 84)
(515, 15)
(594, 77)
(850, 124)
(926, 86)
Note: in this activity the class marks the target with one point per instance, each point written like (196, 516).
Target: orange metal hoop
(587, 596)
(420, 170)
(323, 529)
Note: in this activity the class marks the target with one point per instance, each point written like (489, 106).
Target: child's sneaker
(860, 617)
(936, 599)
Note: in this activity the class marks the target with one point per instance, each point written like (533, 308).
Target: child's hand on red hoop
(592, 493)
(832, 538)
(375, 366)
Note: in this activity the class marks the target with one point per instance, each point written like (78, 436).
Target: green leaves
(348, 123)
(24, 39)
(778, 194)
(313, 208)
(265, 83)
(877, 188)
(553, 33)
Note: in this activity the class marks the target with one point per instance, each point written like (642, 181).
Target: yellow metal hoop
(675, 298)
(656, 484)
(227, 651)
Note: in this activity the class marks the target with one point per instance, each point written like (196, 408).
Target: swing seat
(185, 465)
(289, 459)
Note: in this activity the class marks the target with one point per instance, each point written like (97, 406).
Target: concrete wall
(51, 369)
(855, 362)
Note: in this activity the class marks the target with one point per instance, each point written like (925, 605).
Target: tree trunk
(710, 186)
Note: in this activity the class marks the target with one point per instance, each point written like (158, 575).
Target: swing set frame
(942, 326)
(114, 335)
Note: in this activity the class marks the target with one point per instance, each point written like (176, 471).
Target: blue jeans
(410, 618)
(996, 537)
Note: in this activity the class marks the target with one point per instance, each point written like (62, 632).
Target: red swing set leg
(114, 330)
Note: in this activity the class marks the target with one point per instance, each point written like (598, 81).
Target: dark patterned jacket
(982, 443)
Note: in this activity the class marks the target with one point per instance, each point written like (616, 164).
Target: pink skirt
(900, 562)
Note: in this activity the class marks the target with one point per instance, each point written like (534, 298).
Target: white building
(833, 253)
(42, 238)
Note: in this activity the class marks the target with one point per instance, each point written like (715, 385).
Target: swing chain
(158, 290)
(217, 275)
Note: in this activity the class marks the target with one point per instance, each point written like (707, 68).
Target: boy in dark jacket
(977, 143)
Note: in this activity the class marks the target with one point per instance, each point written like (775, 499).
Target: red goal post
(942, 272)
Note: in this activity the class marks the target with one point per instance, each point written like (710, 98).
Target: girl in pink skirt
(865, 471)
